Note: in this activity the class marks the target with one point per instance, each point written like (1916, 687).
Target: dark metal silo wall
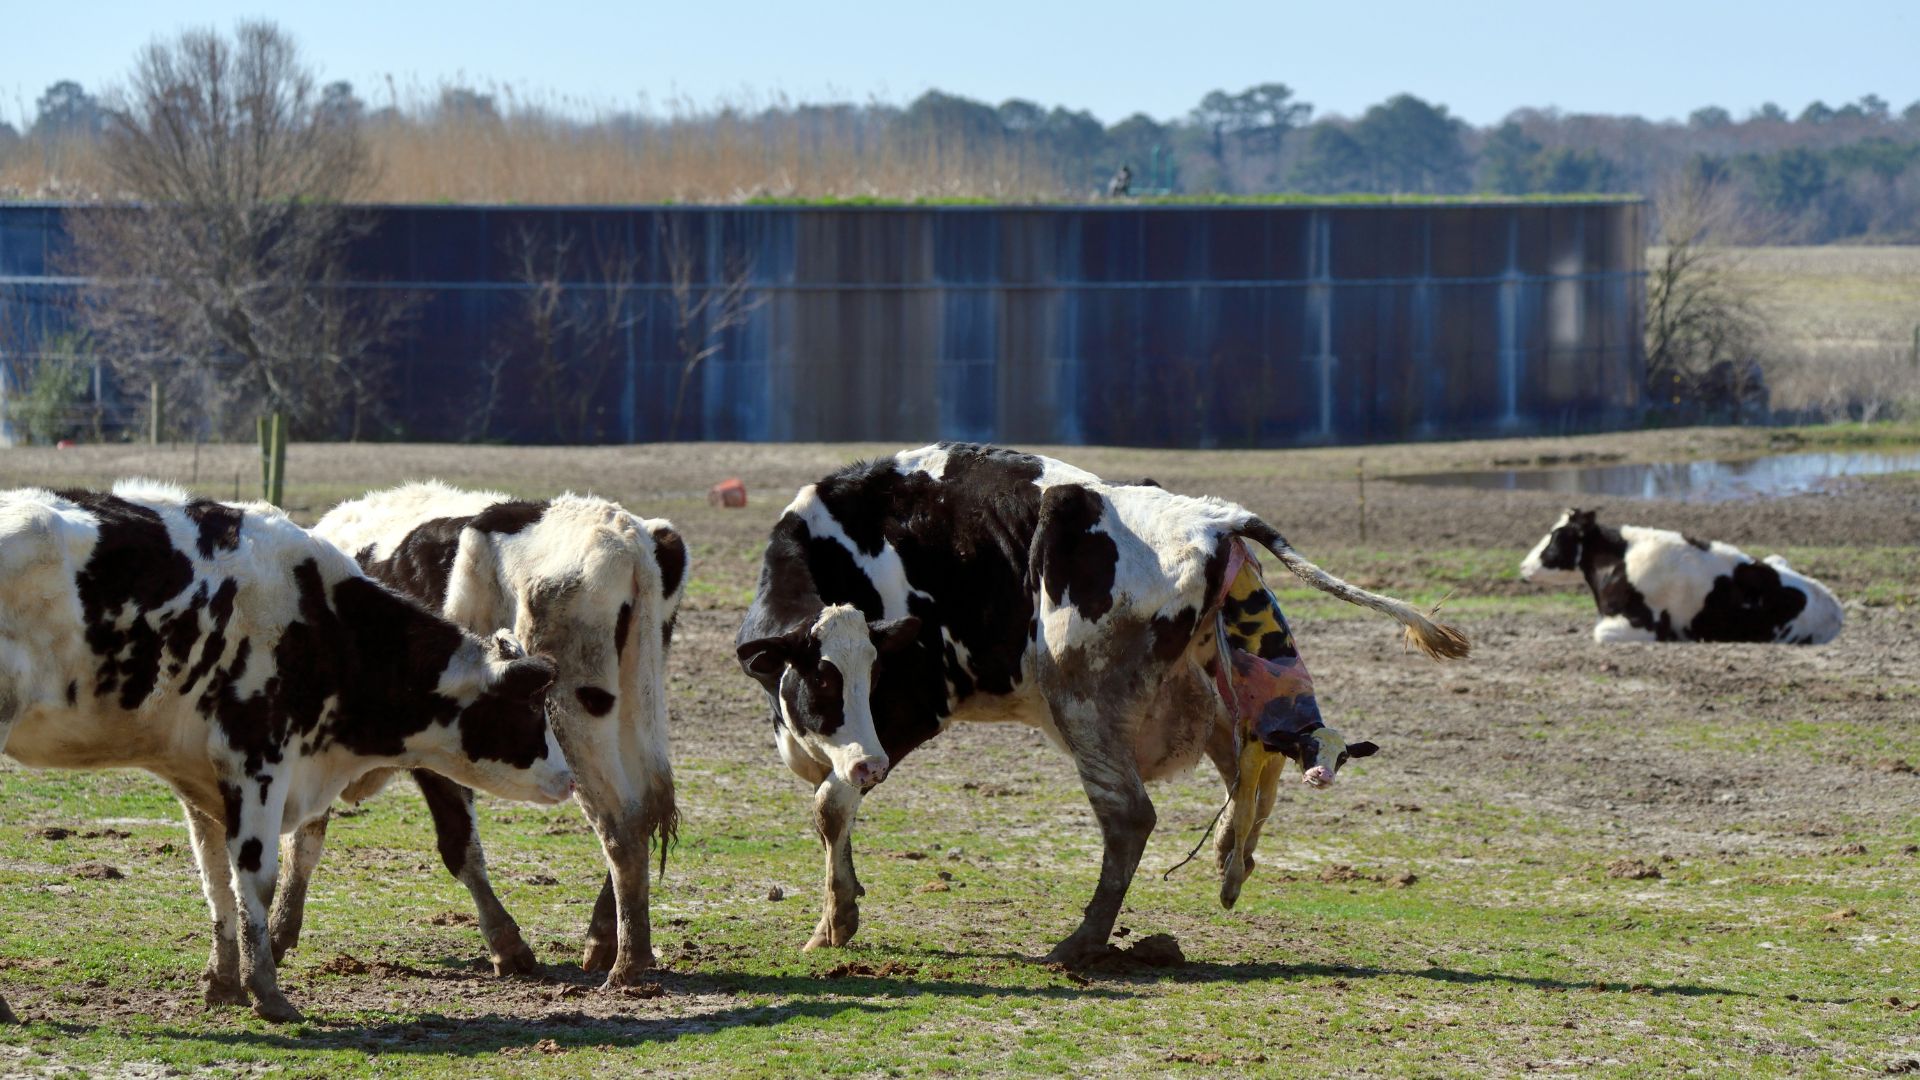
(1144, 325)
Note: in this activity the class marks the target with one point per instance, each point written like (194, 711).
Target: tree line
(1826, 173)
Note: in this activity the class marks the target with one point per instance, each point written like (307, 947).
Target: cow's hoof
(277, 1008)
(1077, 953)
(599, 956)
(514, 958)
(223, 992)
(284, 943)
(6, 1014)
(629, 974)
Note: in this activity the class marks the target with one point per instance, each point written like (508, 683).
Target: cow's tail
(1436, 639)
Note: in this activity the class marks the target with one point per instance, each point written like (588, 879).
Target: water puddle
(1694, 481)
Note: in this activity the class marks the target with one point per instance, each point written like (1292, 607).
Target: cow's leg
(835, 804)
(1120, 803)
(254, 850)
(299, 855)
(457, 828)
(1615, 630)
(627, 796)
(224, 984)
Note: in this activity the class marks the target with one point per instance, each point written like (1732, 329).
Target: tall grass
(454, 144)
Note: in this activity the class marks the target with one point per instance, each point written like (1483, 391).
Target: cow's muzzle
(867, 771)
(1319, 777)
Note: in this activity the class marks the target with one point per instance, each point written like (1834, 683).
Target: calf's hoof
(599, 956)
(6, 1014)
(835, 930)
(277, 1008)
(1077, 952)
(224, 992)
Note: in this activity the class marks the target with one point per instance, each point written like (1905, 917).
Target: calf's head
(1320, 752)
(1555, 560)
(506, 746)
(822, 677)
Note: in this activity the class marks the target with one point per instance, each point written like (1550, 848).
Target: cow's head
(1555, 560)
(506, 745)
(1320, 752)
(822, 677)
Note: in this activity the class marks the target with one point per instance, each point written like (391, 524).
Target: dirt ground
(1625, 767)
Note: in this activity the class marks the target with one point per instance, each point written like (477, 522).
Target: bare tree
(222, 275)
(705, 307)
(570, 333)
(1705, 329)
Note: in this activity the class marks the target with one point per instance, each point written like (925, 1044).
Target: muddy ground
(1544, 772)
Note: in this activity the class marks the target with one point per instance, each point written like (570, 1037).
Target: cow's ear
(765, 658)
(895, 634)
(1362, 749)
(1586, 517)
(525, 679)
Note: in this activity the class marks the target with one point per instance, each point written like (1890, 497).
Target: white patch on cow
(1616, 630)
(1673, 575)
(931, 460)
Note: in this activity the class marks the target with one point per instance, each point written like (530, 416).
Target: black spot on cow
(422, 562)
(1171, 635)
(1750, 604)
(507, 518)
(266, 787)
(230, 799)
(1697, 542)
(249, 858)
(670, 552)
(134, 568)
(218, 525)
(1216, 571)
(1074, 561)
(837, 578)
(814, 693)
(73, 692)
(596, 701)
(219, 610)
(622, 624)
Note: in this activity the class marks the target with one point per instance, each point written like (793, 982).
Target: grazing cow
(254, 668)
(579, 580)
(1656, 585)
(962, 582)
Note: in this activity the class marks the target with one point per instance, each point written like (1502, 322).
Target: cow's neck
(1603, 562)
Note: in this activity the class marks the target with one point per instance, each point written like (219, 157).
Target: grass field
(1841, 322)
(1565, 861)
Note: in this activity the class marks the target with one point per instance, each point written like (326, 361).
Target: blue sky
(1114, 57)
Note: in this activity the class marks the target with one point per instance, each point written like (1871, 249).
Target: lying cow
(256, 670)
(1656, 585)
(595, 588)
(961, 582)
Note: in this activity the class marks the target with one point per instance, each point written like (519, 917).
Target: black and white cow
(582, 581)
(962, 582)
(254, 668)
(1657, 585)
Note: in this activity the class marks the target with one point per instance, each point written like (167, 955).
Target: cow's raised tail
(1436, 639)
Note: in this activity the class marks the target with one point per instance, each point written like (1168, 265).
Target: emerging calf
(962, 582)
(1656, 585)
(582, 581)
(255, 669)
